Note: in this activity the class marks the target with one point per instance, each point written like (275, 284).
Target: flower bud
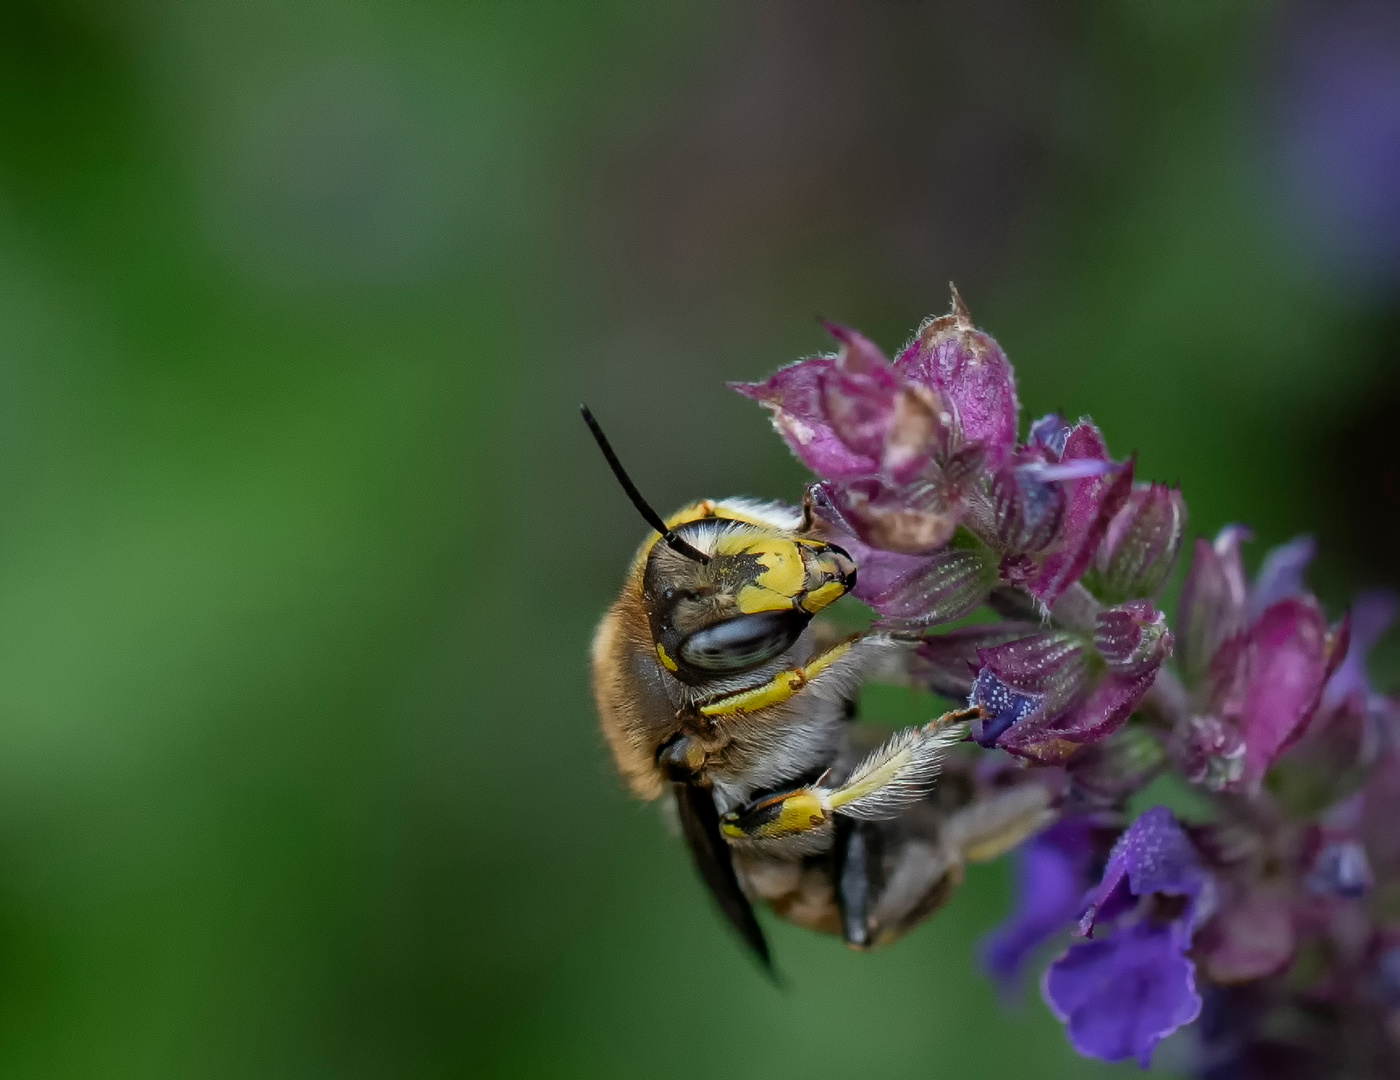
(1123, 763)
(1209, 751)
(875, 412)
(953, 583)
(1094, 489)
(1133, 638)
(1002, 707)
(1027, 510)
(1140, 546)
(948, 663)
(913, 520)
(1212, 601)
(1341, 869)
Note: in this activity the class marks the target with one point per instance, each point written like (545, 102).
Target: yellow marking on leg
(666, 661)
(778, 689)
(799, 811)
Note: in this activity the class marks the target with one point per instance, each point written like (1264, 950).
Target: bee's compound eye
(742, 642)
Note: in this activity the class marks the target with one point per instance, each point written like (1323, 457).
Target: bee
(718, 683)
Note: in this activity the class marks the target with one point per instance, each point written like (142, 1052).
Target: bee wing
(700, 823)
(897, 774)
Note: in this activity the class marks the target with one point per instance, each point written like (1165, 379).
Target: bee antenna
(650, 516)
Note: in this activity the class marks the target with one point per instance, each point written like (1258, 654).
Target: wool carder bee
(719, 684)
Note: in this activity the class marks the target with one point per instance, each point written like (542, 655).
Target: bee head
(727, 591)
(747, 603)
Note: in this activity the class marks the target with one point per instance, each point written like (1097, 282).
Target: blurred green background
(302, 541)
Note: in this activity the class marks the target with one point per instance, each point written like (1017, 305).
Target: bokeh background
(301, 541)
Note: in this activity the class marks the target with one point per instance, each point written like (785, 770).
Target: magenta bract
(968, 370)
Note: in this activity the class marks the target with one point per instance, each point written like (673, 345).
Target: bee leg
(993, 825)
(681, 758)
(892, 778)
(931, 856)
(858, 869)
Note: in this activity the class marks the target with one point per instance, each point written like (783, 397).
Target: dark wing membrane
(700, 821)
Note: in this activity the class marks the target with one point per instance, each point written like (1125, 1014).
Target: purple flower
(1353, 723)
(1085, 490)
(1154, 855)
(1048, 693)
(1121, 995)
(1052, 875)
(1371, 616)
(1118, 998)
(1281, 575)
(1282, 904)
(1272, 681)
(900, 446)
(1341, 869)
(1258, 660)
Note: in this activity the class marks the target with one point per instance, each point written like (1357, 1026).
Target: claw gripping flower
(1281, 899)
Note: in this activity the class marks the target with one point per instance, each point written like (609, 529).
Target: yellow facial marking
(778, 689)
(822, 596)
(783, 570)
(752, 599)
(666, 661)
(783, 577)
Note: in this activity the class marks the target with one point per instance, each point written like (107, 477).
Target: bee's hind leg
(893, 777)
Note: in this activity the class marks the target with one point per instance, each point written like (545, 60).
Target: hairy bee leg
(892, 778)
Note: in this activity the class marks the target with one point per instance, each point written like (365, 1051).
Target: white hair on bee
(776, 515)
(899, 773)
